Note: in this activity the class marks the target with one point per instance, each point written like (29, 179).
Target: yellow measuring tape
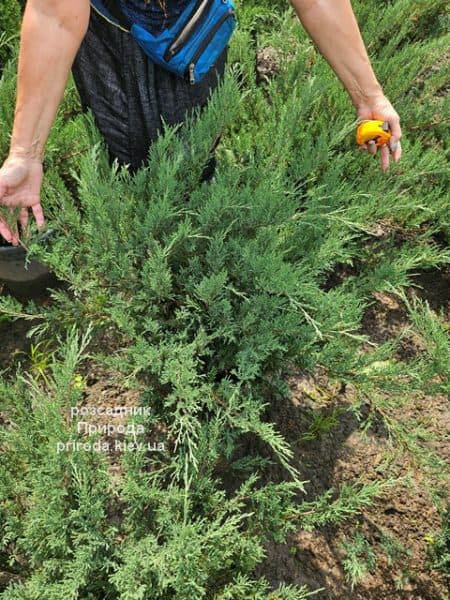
(376, 130)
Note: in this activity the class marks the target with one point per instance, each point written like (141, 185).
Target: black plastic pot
(25, 278)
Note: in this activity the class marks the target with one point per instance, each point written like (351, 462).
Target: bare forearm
(52, 31)
(332, 26)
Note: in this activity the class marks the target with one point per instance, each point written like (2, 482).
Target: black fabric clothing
(129, 94)
(153, 15)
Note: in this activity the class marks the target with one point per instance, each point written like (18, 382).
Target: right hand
(20, 186)
(379, 107)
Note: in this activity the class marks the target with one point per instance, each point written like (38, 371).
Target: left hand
(20, 186)
(379, 107)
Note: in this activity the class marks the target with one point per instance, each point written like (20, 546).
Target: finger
(372, 147)
(384, 152)
(23, 217)
(396, 131)
(396, 152)
(13, 229)
(38, 215)
(9, 235)
(5, 231)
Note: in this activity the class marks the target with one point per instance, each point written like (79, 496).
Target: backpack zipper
(205, 43)
(187, 30)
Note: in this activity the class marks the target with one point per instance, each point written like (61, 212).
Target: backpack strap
(112, 12)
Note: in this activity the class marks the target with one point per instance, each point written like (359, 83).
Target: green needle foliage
(202, 298)
(9, 26)
(360, 558)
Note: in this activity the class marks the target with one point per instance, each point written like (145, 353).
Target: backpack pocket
(211, 47)
(191, 47)
(182, 38)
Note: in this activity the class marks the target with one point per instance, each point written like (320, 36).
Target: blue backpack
(191, 46)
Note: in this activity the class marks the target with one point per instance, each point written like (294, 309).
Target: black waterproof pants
(129, 94)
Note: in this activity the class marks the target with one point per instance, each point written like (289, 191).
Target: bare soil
(344, 454)
(341, 454)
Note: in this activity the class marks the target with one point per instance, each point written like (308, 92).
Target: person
(129, 95)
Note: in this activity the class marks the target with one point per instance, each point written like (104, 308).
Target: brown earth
(340, 454)
(344, 454)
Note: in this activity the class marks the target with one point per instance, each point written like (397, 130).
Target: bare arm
(332, 26)
(52, 31)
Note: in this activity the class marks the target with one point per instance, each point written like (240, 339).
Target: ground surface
(341, 454)
(344, 454)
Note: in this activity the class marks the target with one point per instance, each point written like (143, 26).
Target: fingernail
(394, 146)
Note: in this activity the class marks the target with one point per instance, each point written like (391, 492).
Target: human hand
(379, 107)
(20, 186)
